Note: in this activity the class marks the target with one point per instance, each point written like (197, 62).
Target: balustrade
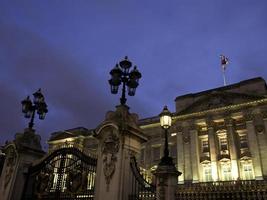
(242, 190)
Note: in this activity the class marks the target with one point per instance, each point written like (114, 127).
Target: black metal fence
(141, 189)
(66, 173)
(242, 190)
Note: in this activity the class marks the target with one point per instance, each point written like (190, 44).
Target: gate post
(20, 154)
(166, 181)
(119, 139)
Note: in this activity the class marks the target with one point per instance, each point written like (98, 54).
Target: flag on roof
(224, 61)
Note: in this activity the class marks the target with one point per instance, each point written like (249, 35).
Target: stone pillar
(194, 153)
(213, 149)
(232, 147)
(253, 146)
(263, 138)
(166, 182)
(180, 154)
(119, 139)
(187, 155)
(20, 154)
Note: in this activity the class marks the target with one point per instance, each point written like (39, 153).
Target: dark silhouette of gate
(141, 189)
(66, 173)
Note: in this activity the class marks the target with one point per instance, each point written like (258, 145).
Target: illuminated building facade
(218, 135)
(218, 141)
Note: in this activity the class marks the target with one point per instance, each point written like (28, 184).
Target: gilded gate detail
(67, 173)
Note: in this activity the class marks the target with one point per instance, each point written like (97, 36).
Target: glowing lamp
(165, 118)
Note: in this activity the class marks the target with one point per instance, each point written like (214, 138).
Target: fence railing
(243, 190)
(141, 189)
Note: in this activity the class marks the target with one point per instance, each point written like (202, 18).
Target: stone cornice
(235, 107)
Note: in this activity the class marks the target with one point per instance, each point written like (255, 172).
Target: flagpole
(224, 62)
(224, 79)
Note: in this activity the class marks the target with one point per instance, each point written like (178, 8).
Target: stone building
(217, 140)
(217, 135)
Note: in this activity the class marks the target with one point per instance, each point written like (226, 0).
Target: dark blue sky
(68, 47)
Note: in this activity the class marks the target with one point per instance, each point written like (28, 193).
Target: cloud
(72, 93)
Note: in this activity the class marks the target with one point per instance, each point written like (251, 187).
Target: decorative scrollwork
(66, 171)
(10, 164)
(248, 115)
(110, 149)
(186, 139)
(210, 123)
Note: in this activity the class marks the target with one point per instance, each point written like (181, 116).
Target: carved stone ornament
(210, 123)
(28, 139)
(229, 121)
(264, 114)
(179, 129)
(186, 139)
(248, 115)
(110, 148)
(10, 164)
(259, 128)
(123, 117)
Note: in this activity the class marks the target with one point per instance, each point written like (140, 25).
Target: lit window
(90, 180)
(146, 175)
(55, 173)
(248, 173)
(226, 172)
(173, 134)
(243, 141)
(223, 144)
(205, 146)
(58, 162)
(207, 174)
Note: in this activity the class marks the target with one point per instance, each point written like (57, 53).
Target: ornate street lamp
(121, 74)
(29, 108)
(165, 123)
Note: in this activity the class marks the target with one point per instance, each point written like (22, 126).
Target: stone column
(194, 152)
(120, 138)
(260, 118)
(232, 147)
(166, 182)
(188, 177)
(213, 149)
(253, 146)
(264, 145)
(180, 154)
(20, 154)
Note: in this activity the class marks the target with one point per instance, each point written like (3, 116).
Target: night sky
(68, 47)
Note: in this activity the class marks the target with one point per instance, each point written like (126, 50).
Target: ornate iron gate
(141, 189)
(67, 173)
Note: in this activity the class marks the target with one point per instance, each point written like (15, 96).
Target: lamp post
(121, 74)
(165, 123)
(29, 108)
